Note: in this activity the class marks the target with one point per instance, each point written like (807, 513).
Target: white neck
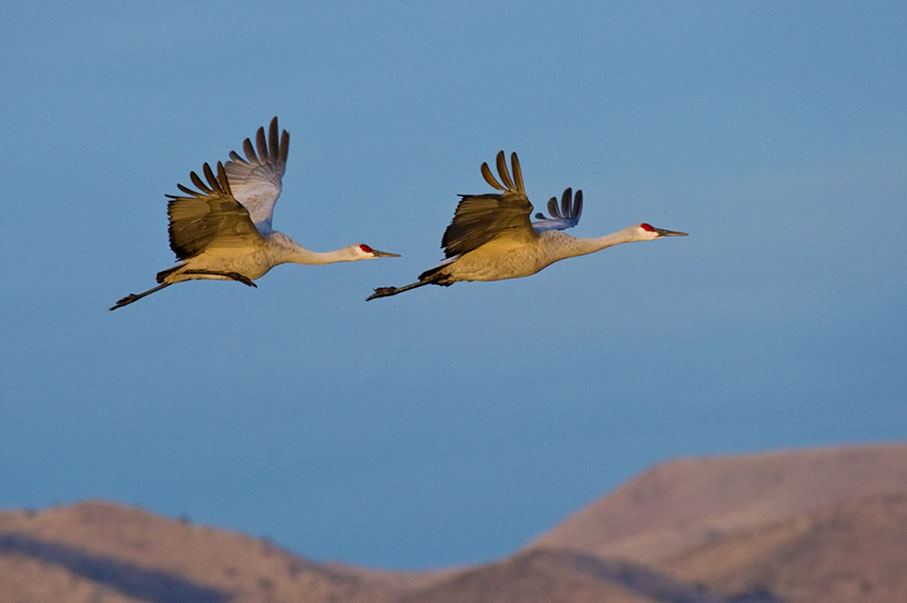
(582, 246)
(286, 250)
(306, 256)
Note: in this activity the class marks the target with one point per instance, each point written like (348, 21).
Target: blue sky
(446, 425)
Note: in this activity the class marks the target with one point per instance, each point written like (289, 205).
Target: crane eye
(366, 248)
(647, 227)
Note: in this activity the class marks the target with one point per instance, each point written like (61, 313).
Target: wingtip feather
(198, 182)
(284, 150)
(273, 141)
(489, 177)
(261, 144)
(567, 202)
(517, 172)
(249, 150)
(223, 180)
(210, 177)
(503, 172)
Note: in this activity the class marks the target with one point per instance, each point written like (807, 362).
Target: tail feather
(165, 273)
(433, 274)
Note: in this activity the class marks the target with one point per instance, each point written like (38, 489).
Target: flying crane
(223, 230)
(491, 237)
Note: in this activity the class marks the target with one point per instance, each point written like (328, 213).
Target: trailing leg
(433, 279)
(387, 291)
(137, 296)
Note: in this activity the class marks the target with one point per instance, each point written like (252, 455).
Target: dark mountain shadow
(126, 578)
(555, 575)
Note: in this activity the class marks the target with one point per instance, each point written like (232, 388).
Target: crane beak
(670, 233)
(385, 254)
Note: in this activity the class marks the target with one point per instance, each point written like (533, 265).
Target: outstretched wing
(567, 216)
(257, 180)
(481, 218)
(209, 216)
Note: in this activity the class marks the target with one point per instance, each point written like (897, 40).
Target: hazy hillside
(816, 525)
(683, 503)
(541, 576)
(852, 551)
(97, 551)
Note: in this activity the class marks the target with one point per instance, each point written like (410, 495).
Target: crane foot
(382, 292)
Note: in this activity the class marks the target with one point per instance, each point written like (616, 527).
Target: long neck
(286, 250)
(306, 256)
(582, 246)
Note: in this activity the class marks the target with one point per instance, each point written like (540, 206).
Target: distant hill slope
(683, 503)
(561, 576)
(98, 551)
(814, 525)
(855, 550)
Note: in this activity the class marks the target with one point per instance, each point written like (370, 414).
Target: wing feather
(199, 184)
(249, 150)
(273, 145)
(186, 189)
(517, 172)
(261, 143)
(502, 170)
(258, 179)
(565, 216)
(490, 179)
(208, 217)
(480, 218)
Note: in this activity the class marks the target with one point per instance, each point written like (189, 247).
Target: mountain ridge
(754, 528)
(679, 503)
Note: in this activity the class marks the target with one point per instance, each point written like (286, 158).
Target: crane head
(647, 232)
(361, 251)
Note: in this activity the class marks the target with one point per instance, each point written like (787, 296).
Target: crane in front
(492, 238)
(223, 231)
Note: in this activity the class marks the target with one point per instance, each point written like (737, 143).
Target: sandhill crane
(223, 229)
(491, 237)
